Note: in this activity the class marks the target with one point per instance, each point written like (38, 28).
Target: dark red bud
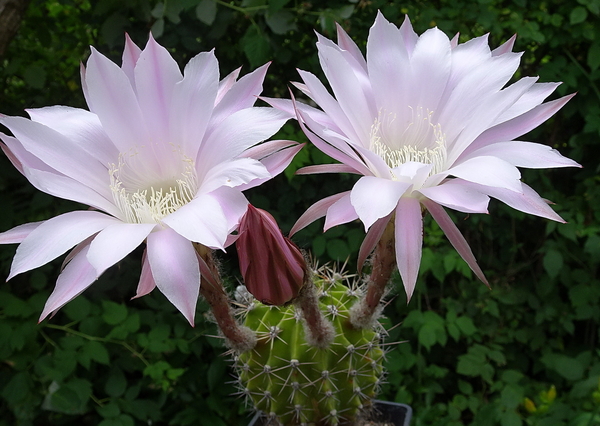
(272, 266)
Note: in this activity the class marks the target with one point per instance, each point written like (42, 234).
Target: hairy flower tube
(429, 123)
(272, 266)
(161, 156)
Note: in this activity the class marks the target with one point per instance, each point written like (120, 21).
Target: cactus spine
(296, 383)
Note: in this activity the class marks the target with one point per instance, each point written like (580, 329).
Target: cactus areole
(295, 383)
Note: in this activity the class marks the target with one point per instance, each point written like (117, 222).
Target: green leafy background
(524, 352)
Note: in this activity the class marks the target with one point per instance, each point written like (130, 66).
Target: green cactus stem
(296, 383)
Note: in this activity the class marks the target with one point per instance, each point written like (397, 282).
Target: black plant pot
(391, 413)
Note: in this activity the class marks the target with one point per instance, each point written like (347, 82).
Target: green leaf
(281, 22)
(116, 383)
(206, 11)
(578, 15)
(553, 262)
(78, 309)
(114, 313)
(427, 335)
(95, 351)
(17, 388)
(109, 410)
(256, 46)
(337, 249)
(466, 325)
(510, 418)
(35, 76)
(593, 60)
(276, 5)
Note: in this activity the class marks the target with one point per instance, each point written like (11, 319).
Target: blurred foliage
(523, 353)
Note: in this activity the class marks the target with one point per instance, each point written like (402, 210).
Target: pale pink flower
(428, 123)
(161, 157)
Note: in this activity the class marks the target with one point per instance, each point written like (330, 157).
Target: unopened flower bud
(272, 266)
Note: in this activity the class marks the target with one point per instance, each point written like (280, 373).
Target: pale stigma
(148, 199)
(421, 141)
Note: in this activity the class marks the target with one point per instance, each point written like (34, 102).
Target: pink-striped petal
(156, 74)
(175, 269)
(326, 168)
(73, 280)
(275, 163)
(342, 211)
(526, 200)
(408, 227)
(520, 125)
(371, 240)
(526, 154)
(55, 236)
(241, 95)
(146, 283)
(226, 84)
(316, 211)
(131, 54)
(18, 233)
(455, 237)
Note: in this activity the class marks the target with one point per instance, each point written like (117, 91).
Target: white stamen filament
(421, 142)
(156, 200)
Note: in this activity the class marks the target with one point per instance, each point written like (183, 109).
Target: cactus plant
(295, 382)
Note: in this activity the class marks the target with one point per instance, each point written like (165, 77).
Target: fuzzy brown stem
(366, 311)
(237, 337)
(319, 331)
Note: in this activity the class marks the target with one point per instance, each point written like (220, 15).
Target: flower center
(145, 197)
(421, 141)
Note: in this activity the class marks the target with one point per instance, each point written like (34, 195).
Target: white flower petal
(202, 221)
(358, 107)
(457, 196)
(193, 102)
(80, 126)
(175, 270)
(374, 198)
(113, 100)
(233, 173)
(431, 62)
(59, 152)
(115, 242)
(237, 133)
(490, 171)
